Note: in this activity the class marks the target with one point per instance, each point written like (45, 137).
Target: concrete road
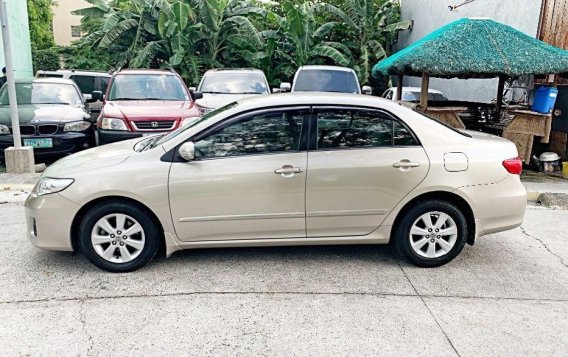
(506, 296)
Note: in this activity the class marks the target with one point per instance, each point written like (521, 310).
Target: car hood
(149, 109)
(43, 113)
(214, 101)
(91, 159)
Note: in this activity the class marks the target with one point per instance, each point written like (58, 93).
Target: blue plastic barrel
(544, 99)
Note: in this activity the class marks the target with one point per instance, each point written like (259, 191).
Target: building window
(75, 31)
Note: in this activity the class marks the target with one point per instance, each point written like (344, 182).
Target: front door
(247, 181)
(363, 163)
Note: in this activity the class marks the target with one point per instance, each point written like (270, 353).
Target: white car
(315, 78)
(287, 169)
(412, 94)
(222, 86)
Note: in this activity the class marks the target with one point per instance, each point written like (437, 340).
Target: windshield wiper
(54, 103)
(248, 93)
(125, 98)
(211, 92)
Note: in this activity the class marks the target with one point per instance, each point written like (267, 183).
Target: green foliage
(46, 59)
(39, 18)
(192, 36)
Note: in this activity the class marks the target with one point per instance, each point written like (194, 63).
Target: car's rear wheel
(431, 234)
(119, 237)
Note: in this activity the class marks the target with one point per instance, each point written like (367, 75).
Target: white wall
(429, 15)
(63, 20)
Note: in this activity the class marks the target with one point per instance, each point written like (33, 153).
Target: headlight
(77, 126)
(4, 129)
(113, 124)
(48, 185)
(189, 121)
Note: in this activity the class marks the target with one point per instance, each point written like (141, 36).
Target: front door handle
(405, 164)
(288, 171)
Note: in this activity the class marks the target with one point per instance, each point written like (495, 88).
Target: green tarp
(475, 48)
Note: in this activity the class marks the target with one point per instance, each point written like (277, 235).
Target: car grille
(27, 129)
(47, 129)
(154, 125)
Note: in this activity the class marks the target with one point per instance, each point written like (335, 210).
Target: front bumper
(49, 218)
(64, 143)
(111, 136)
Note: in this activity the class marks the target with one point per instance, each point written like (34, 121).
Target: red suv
(141, 102)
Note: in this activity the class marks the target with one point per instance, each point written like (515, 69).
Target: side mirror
(96, 96)
(196, 95)
(187, 151)
(275, 90)
(285, 87)
(192, 89)
(367, 90)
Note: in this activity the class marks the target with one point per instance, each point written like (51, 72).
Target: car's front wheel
(119, 237)
(431, 234)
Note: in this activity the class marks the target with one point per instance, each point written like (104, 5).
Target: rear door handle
(405, 164)
(288, 170)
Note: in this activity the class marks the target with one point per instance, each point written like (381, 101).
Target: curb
(533, 196)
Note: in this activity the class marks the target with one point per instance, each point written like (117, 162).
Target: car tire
(119, 237)
(431, 234)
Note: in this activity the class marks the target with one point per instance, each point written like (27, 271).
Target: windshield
(154, 141)
(233, 83)
(43, 93)
(415, 96)
(147, 87)
(326, 80)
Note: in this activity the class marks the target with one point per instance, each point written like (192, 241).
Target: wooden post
(499, 103)
(424, 90)
(399, 87)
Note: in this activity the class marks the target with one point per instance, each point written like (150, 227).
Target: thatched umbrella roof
(475, 48)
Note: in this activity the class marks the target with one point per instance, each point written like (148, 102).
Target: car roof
(85, 72)
(322, 67)
(315, 98)
(234, 70)
(145, 71)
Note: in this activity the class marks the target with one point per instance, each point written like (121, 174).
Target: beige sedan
(289, 169)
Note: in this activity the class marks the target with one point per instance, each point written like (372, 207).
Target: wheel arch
(450, 197)
(74, 233)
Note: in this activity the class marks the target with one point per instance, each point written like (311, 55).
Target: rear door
(361, 164)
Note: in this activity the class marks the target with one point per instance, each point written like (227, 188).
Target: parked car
(324, 79)
(53, 117)
(88, 82)
(219, 87)
(412, 94)
(143, 102)
(241, 176)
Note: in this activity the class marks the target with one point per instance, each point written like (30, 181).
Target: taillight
(514, 166)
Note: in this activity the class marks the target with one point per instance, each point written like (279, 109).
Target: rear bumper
(497, 207)
(65, 143)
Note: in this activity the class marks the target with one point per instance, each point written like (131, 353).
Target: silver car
(286, 169)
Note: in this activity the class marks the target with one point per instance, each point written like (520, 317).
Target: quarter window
(257, 134)
(339, 129)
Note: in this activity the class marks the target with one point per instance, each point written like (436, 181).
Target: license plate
(39, 143)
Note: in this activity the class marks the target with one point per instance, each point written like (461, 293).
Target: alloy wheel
(433, 234)
(118, 238)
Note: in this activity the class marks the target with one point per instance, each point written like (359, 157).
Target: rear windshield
(326, 80)
(234, 83)
(147, 87)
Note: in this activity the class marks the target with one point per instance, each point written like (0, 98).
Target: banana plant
(373, 28)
